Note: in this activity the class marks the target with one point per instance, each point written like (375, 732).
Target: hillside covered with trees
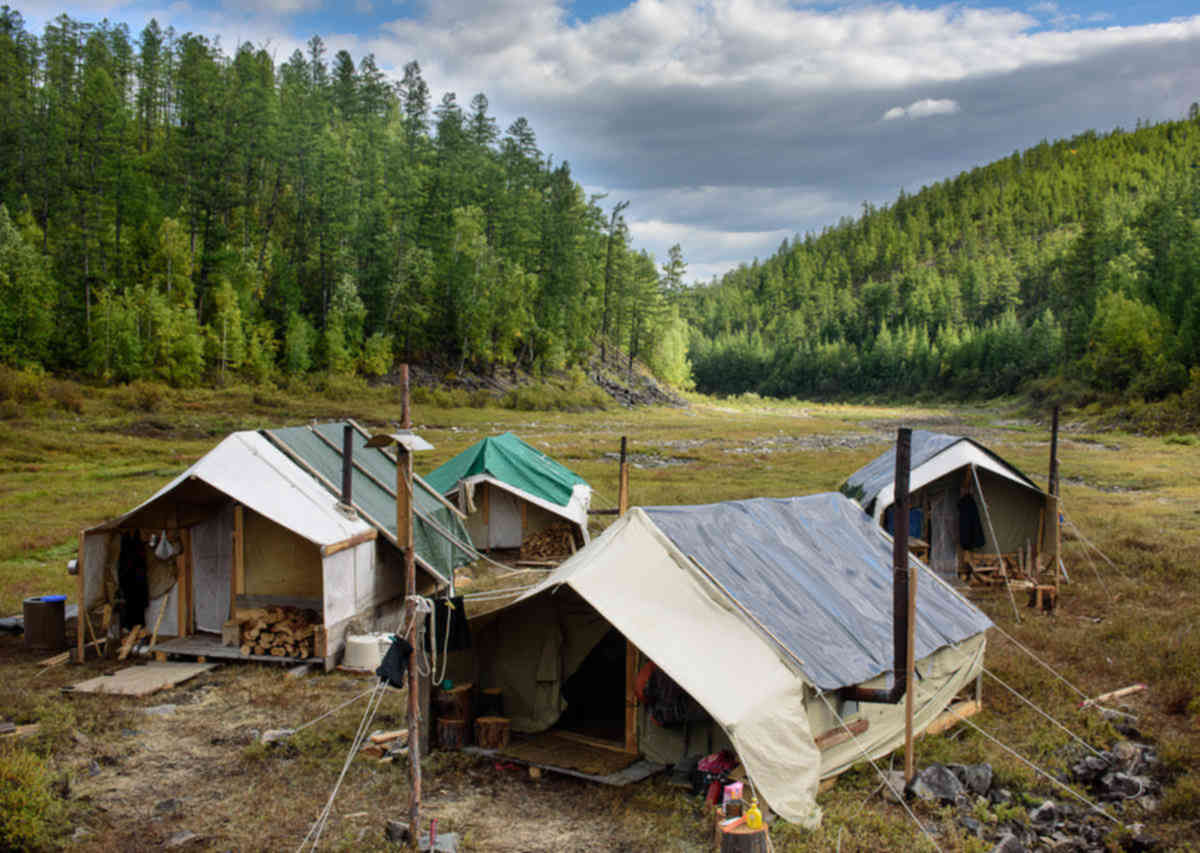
(1078, 260)
(171, 212)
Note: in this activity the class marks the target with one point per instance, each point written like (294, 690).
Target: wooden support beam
(953, 715)
(841, 734)
(365, 536)
(81, 590)
(237, 582)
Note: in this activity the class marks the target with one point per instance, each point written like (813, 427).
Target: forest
(1076, 262)
(173, 213)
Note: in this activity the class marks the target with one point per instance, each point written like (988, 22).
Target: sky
(732, 125)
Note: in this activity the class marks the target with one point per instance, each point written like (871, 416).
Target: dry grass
(62, 469)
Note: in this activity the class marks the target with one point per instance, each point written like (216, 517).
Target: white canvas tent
(946, 469)
(251, 529)
(761, 610)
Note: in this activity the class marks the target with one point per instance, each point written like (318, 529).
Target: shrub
(29, 811)
(1186, 440)
(21, 386)
(144, 396)
(480, 399)
(341, 388)
(66, 395)
(10, 410)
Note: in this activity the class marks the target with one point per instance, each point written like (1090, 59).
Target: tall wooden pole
(631, 744)
(901, 561)
(1052, 488)
(404, 537)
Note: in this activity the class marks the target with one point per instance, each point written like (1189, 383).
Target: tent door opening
(943, 524)
(595, 693)
(212, 570)
(504, 519)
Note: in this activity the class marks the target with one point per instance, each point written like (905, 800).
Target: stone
(93, 768)
(936, 783)
(1009, 844)
(80, 833)
(977, 778)
(1090, 768)
(272, 735)
(893, 786)
(181, 839)
(160, 710)
(1000, 796)
(1121, 786)
(168, 806)
(970, 824)
(397, 832)
(1046, 813)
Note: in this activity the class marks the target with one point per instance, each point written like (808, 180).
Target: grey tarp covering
(435, 551)
(817, 573)
(866, 483)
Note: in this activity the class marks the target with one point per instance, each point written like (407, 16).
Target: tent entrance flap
(595, 692)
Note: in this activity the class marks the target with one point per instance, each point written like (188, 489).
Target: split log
(246, 648)
(400, 735)
(130, 639)
(492, 732)
(453, 734)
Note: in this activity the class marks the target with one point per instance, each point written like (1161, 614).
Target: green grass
(66, 467)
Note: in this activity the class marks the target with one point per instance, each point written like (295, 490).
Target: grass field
(65, 465)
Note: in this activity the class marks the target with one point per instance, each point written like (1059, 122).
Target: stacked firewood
(278, 631)
(552, 543)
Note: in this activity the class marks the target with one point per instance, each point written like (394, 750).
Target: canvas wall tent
(510, 490)
(257, 523)
(761, 610)
(944, 470)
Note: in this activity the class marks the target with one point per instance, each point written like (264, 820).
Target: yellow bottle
(753, 815)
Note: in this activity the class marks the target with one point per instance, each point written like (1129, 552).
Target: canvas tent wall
(509, 490)
(757, 609)
(255, 528)
(943, 469)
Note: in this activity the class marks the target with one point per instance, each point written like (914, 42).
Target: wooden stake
(158, 620)
(1052, 480)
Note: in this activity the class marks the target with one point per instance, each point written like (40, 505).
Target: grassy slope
(1132, 496)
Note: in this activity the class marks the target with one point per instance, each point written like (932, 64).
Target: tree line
(1078, 259)
(169, 211)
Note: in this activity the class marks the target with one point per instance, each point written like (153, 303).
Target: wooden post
(1052, 480)
(81, 587)
(623, 481)
(901, 559)
(238, 581)
(404, 537)
(631, 703)
(1052, 507)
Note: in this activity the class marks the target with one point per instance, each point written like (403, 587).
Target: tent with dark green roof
(510, 490)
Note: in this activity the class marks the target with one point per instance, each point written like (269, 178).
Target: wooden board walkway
(142, 680)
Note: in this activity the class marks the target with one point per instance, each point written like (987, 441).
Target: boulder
(1045, 814)
(1009, 844)
(937, 784)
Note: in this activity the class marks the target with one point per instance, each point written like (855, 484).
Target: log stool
(743, 839)
(453, 734)
(492, 732)
(491, 702)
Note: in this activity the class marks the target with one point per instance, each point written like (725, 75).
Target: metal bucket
(45, 622)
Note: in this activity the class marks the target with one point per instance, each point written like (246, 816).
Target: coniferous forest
(173, 212)
(1077, 261)
(169, 211)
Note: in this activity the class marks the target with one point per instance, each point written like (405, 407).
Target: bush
(10, 410)
(340, 387)
(547, 398)
(144, 396)
(66, 395)
(21, 386)
(29, 811)
(480, 399)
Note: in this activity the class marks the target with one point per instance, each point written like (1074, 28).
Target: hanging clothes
(394, 666)
(970, 527)
(450, 615)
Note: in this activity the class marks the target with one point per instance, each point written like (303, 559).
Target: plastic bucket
(45, 622)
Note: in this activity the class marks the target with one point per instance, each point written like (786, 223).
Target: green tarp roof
(510, 461)
(373, 492)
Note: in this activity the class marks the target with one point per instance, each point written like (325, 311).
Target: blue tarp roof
(817, 573)
(866, 483)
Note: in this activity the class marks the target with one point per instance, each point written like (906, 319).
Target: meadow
(71, 456)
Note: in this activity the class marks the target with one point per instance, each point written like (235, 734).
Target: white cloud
(923, 108)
